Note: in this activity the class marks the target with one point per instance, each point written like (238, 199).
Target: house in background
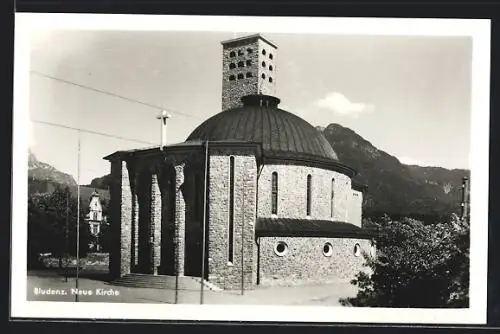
(95, 217)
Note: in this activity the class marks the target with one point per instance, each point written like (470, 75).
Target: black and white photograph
(256, 168)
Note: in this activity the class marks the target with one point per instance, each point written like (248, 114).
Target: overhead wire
(101, 91)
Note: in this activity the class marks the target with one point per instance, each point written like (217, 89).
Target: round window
(281, 248)
(328, 249)
(357, 250)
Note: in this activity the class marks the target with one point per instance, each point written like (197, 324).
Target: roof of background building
(288, 227)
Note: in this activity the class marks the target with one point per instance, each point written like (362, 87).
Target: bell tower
(248, 68)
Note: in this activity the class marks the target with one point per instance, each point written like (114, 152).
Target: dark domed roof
(282, 134)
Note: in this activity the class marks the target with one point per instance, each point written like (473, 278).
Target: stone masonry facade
(222, 272)
(305, 263)
(248, 67)
(292, 194)
(157, 224)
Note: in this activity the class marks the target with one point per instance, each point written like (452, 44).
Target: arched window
(270, 79)
(240, 76)
(263, 76)
(232, 54)
(231, 211)
(263, 64)
(309, 194)
(270, 67)
(270, 56)
(249, 62)
(232, 65)
(249, 75)
(232, 78)
(264, 52)
(332, 197)
(241, 64)
(240, 52)
(249, 50)
(274, 193)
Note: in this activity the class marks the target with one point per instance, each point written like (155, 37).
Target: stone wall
(292, 193)
(250, 73)
(305, 263)
(221, 272)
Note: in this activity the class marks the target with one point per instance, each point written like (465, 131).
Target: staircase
(163, 282)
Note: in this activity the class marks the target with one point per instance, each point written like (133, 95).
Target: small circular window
(328, 249)
(357, 250)
(281, 248)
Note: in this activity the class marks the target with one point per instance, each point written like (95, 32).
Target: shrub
(417, 265)
(52, 226)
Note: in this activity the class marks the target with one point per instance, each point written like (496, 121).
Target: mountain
(395, 188)
(102, 182)
(44, 178)
(42, 172)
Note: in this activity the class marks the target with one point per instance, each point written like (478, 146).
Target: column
(135, 225)
(180, 219)
(155, 224)
(121, 212)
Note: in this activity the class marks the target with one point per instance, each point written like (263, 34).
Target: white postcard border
(478, 30)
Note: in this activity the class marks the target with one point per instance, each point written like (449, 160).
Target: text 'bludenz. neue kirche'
(277, 207)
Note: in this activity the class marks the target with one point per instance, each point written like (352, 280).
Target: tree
(417, 265)
(52, 222)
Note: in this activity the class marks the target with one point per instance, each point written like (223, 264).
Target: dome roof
(281, 133)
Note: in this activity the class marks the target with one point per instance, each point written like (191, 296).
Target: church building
(255, 195)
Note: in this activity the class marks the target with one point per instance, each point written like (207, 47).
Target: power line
(113, 95)
(94, 132)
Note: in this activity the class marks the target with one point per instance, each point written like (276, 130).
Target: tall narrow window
(308, 195)
(231, 211)
(332, 197)
(274, 194)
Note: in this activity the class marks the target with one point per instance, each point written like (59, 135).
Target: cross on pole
(163, 117)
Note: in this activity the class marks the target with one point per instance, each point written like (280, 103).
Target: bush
(417, 265)
(52, 226)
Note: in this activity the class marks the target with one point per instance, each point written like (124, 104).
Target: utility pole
(66, 236)
(465, 198)
(78, 221)
(204, 223)
(163, 142)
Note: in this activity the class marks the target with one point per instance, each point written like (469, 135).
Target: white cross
(163, 117)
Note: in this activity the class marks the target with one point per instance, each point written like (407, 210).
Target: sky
(408, 95)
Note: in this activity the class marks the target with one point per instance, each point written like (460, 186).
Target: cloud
(340, 104)
(410, 161)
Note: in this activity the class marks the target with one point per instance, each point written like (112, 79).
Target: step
(163, 282)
